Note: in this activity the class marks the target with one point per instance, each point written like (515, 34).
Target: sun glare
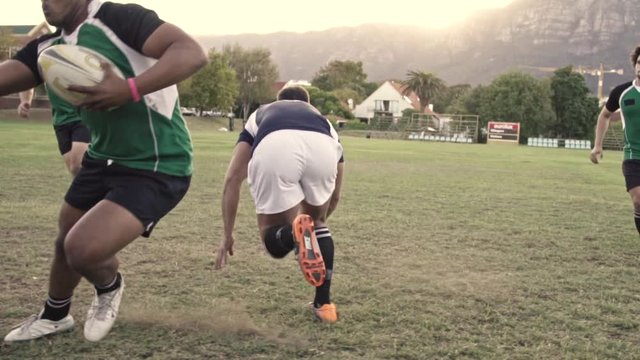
(200, 17)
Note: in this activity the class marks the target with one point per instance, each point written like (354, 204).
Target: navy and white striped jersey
(284, 115)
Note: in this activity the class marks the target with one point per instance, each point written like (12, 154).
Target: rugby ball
(63, 65)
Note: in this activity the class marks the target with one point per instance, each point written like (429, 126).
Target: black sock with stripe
(636, 218)
(56, 309)
(113, 285)
(325, 242)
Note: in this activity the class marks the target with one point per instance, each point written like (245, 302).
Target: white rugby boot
(102, 313)
(35, 327)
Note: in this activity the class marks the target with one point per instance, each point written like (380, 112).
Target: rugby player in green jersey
(138, 164)
(72, 135)
(626, 99)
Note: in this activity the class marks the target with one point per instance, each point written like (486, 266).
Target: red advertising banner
(503, 131)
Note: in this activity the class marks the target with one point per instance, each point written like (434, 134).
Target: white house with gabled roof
(387, 100)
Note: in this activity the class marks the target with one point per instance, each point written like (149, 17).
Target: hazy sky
(201, 17)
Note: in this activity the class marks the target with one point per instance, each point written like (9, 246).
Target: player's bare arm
(179, 56)
(25, 103)
(601, 129)
(15, 77)
(235, 176)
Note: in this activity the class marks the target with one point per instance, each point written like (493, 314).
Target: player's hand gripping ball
(63, 65)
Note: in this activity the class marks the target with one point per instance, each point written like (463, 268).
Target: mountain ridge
(524, 34)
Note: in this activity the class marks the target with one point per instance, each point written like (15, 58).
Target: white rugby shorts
(289, 166)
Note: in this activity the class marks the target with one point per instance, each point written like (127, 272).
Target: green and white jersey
(150, 134)
(64, 113)
(626, 97)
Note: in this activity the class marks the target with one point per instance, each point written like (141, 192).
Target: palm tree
(425, 85)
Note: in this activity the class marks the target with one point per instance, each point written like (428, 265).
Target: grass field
(443, 251)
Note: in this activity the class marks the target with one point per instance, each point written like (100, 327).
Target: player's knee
(75, 258)
(79, 258)
(272, 238)
(73, 159)
(275, 249)
(636, 202)
(74, 167)
(59, 245)
(74, 170)
(276, 253)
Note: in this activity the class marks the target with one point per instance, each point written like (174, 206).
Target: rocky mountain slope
(524, 35)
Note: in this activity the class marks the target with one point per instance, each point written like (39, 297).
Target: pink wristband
(134, 89)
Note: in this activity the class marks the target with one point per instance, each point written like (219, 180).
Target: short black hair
(634, 55)
(293, 93)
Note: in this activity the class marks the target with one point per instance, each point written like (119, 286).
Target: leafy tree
(215, 86)
(370, 87)
(448, 96)
(345, 95)
(518, 97)
(340, 74)
(426, 85)
(468, 103)
(186, 92)
(574, 108)
(256, 74)
(328, 103)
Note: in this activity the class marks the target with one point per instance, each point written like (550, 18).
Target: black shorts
(146, 194)
(71, 132)
(631, 171)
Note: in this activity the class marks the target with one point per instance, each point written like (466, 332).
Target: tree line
(557, 107)
(239, 80)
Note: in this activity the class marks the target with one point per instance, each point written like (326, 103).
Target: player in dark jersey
(626, 99)
(138, 164)
(293, 160)
(72, 135)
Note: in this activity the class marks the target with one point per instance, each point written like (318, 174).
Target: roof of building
(411, 96)
(278, 85)
(25, 33)
(17, 29)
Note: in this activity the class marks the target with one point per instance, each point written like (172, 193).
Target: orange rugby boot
(326, 313)
(307, 250)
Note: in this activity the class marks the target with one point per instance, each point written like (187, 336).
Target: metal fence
(426, 127)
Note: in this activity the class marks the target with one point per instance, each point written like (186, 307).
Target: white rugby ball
(63, 65)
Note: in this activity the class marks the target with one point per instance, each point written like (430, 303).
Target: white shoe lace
(26, 325)
(100, 308)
